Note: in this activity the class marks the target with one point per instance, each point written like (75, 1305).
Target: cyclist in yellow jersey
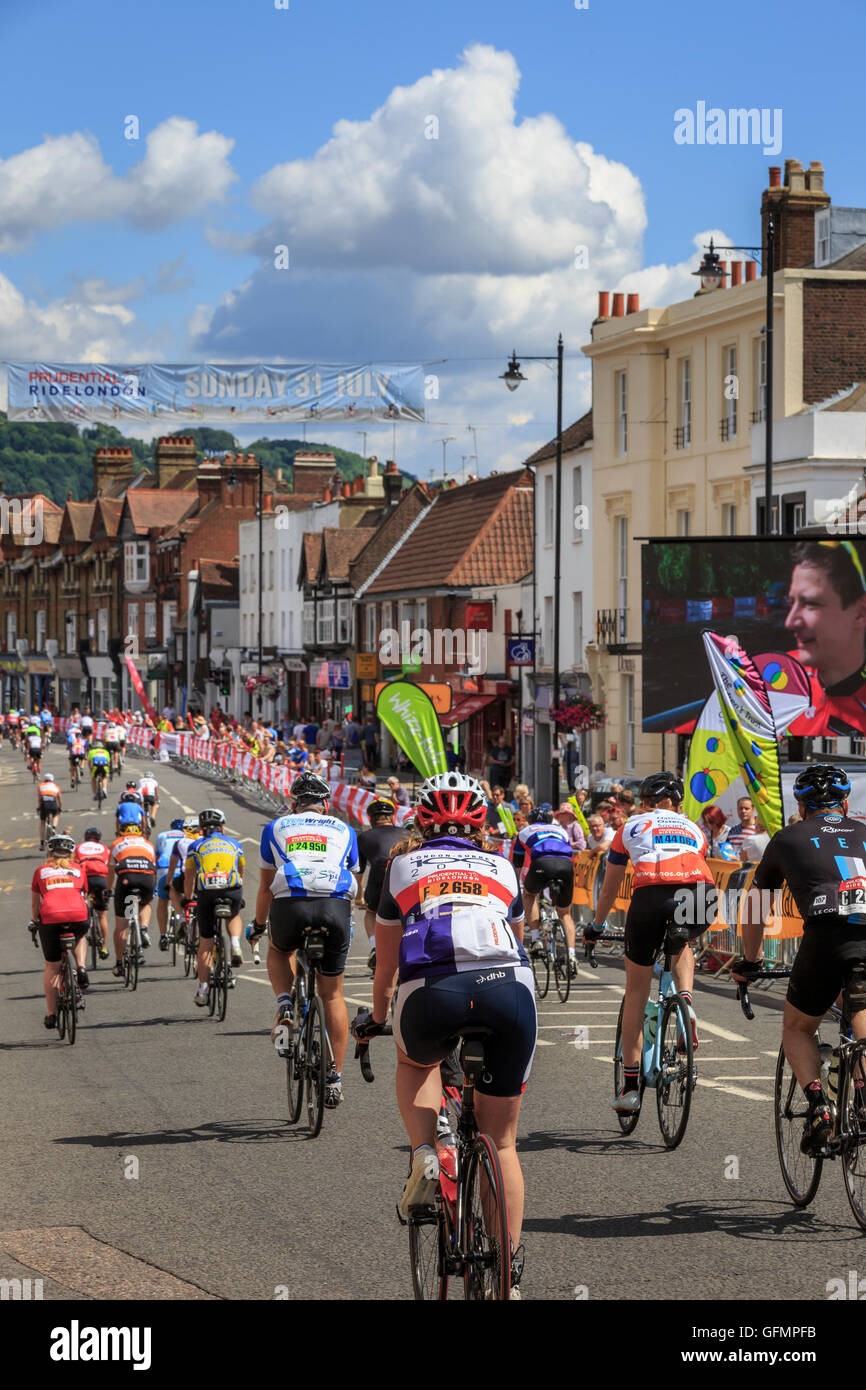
(214, 870)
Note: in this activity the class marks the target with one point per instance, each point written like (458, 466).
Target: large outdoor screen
(797, 607)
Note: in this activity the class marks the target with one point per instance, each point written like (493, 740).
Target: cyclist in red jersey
(57, 905)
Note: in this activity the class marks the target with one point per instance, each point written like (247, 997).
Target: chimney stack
(618, 306)
(793, 205)
(393, 483)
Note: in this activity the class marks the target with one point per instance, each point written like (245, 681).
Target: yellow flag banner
(585, 873)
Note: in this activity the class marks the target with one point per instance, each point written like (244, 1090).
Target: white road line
(718, 1032)
(253, 979)
(745, 1078)
(543, 1042)
(584, 1013)
(733, 1090)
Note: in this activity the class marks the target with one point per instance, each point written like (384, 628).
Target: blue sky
(556, 128)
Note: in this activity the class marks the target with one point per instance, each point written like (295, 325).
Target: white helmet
(451, 798)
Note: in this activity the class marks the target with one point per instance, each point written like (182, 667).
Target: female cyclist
(58, 905)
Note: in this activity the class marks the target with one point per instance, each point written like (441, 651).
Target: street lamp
(512, 376)
(707, 274)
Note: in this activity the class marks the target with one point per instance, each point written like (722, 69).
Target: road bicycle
(99, 789)
(94, 936)
(220, 979)
(189, 938)
(69, 1001)
(667, 1051)
(175, 932)
(551, 947)
(843, 1075)
(74, 773)
(303, 1042)
(463, 1233)
(132, 946)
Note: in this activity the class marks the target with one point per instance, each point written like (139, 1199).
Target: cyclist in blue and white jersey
(308, 861)
(165, 842)
(47, 720)
(177, 862)
(542, 852)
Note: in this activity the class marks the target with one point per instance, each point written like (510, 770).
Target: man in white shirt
(746, 825)
(600, 835)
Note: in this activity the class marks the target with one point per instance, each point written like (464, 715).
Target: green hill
(56, 459)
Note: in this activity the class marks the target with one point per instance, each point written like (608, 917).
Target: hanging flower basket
(578, 714)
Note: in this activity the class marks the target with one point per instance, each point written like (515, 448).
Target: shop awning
(11, 664)
(464, 707)
(294, 663)
(39, 666)
(68, 668)
(19, 566)
(99, 666)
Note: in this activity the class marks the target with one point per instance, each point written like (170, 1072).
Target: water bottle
(650, 1027)
(825, 1052)
(446, 1148)
(833, 1076)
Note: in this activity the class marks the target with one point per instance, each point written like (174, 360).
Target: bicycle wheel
(294, 1070)
(426, 1231)
(853, 1112)
(212, 983)
(801, 1173)
(222, 986)
(539, 957)
(561, 971)
(626, 1122)
(316, 1060)
(677, 1077)
(485, 1225)
(61, 1008)
(71, 986)
(189, 948)
(94, 933)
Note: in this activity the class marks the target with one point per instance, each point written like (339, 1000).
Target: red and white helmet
(451, 799)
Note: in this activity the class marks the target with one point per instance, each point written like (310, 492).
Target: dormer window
(136, 559)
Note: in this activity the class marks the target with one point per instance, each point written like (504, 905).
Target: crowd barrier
(240, 766)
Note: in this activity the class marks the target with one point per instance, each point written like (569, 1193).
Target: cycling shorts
(206, 900)
(99, 769)
(76, 757)
(162, 885)
(373, 888)
(49, 937)
(546, 868)
(649, 911)
(430, 1013)
(177, 883)
(828, 952)
(48, 807)
(133, 880)
(290, 917)
(111, 745)
(97, 887)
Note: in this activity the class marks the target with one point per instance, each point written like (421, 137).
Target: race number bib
(852, 900)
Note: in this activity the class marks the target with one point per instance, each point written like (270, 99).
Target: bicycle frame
(307, 958)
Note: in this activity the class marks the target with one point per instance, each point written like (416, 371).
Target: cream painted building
(678, 403)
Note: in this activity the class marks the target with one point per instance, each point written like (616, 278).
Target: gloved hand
(593, 933)
(746, 970)
(364, 1026)
(254, 932)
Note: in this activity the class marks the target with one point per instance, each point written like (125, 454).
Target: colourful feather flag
(745, 708)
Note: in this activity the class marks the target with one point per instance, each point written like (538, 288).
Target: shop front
(70, 683)
(104, 686)
(13, 673)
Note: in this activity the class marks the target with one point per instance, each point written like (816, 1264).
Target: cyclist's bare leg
(369, 923)
(144, 912)
(205, 958)
(498, 1116)
(530, 905)
(281, 969)
(419, 1093)
(638, 979)
(330, 988)
(51, 984)
(119, 936)
(81, 951)
(799, 1042)
(103, 926)
(236, 926)
(565, 917)
(683, 969)
(162, 915)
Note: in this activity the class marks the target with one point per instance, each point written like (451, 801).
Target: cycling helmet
(544, 814)
(92, 833)
(310, 788)
(132, 786)
(61, 844)
(381, 806)
(211, 820)
(822, 785)
(129, 799)
(660, 785)
(177, 823)
(191, 823)
(451, 800)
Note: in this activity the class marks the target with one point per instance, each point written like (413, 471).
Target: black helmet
(381, 806)
(544, 814)
(61, 844)
(132, 786)
(92, 833)
(822, 785)
(309, 787)
(211, 820)
(127, 797)
(661, 785)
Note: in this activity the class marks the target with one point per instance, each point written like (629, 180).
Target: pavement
(154, 1160)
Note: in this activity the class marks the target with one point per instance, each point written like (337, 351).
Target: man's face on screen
(829, 637)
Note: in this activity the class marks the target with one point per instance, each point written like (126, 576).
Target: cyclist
(149, 789)
(821, 859)
(92, 856)
(179, 850)
(57, 905)
(49, 804)
(121, 742)
(86, 722)
(374, 849)
(668, 853)
(131, 866)
(132, 797)
(163, 847)
(214, 870)
(12, 727)
(77, 750)
(33, 744)
(451, 916)
(542, 852)
(46, 719)
(112, 743)
(97, 761)
(308, 859)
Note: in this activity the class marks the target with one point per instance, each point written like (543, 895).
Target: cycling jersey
(47, 717)
(132, 798)
(111, 733)
(535, 840)
(87, 723)
(165, 843)
(180, 849)
(132, 854)
(48, 790)
(663, 846)
(128, 813)
(823, 861)
(77, 748)
(457, 905)
(34, 743)
(375, 845)
(148, 786)
(72, 733)
(219, 862)
(98, 758)
(61, 893)
(314, 856)
(12, 720)
(92, 857)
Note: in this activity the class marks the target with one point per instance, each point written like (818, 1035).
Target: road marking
(745, 1078)
(733, 1090)
(718, 1032)
(75, 1259)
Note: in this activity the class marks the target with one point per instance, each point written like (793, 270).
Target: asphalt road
(153, 1158)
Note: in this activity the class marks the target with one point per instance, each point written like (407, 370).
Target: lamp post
(512, 376)
(192, 582)
(711, 274)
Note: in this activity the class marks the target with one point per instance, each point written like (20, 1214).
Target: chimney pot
(618, 300)
(633, 304)
(736, 273)
(347, 491)
(775, 176)
(751, 271)
(391, 467)
(604, 304)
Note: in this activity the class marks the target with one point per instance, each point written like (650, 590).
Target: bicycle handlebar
(743, 989)
(362, 1048)
(589, 946)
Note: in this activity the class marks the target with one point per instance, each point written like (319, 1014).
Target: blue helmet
(177, 823)
(544, 814)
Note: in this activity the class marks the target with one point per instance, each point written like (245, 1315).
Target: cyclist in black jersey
(374, 851)
(822, 858)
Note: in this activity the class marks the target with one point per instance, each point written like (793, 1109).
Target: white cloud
(65, 179)
(71, 329)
